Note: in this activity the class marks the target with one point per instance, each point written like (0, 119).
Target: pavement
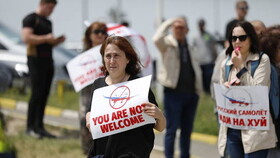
(202, 145)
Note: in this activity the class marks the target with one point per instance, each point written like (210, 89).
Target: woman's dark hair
(270, 42)
(134, 65)
(251, 33)
(87, 41)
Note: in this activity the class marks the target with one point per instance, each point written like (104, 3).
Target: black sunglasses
(241, 38)
(244, 8)
(99, 31)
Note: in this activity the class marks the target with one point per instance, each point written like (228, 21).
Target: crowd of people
(186, 69)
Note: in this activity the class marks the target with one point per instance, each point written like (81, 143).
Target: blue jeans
(235, 147)
(180, 109)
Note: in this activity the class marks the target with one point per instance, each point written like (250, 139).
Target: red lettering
(104, 128)
(263, 121)
(94, 120)
(235, 121)
(225, 119)
(121, 124)
(114, 116)
(136, 110)
(101, 119)
(140, 117)
(111, 127)
(119, 114)
(241, 122)
(250, 122)
(116, 127)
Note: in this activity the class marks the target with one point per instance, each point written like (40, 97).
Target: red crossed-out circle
(119, 97)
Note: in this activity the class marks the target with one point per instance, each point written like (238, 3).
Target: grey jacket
(169, 71)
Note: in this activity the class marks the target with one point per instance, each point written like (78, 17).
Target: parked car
(15, 70)
(6, 77)
(13, 54)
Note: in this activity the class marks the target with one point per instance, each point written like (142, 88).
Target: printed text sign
(85, 68)
(243, 107)
(118, 108)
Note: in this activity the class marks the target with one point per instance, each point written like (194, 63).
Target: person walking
(180, 76)
(241, 8)
(94, 35)
(270, 44)
(37, 34)
(243, 49)
(205, 53)
(121, 64)
(259, 26)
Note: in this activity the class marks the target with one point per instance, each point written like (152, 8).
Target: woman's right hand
(236, 59)
(88, 121)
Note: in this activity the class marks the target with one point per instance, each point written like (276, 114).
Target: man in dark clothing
(37, 34)
(241, 11)
(181, 77)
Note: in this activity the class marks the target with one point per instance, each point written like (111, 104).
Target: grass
(68, 144)
(33, 148)
(205, 121)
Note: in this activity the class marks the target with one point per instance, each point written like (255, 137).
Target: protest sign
(243, 107)
(85, 68)
(118, 108)
(139, 44)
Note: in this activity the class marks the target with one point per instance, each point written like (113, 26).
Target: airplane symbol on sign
(234, 101)
(115, 99)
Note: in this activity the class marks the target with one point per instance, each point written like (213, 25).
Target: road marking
(210, 139)
(7, 103)
(53, 111)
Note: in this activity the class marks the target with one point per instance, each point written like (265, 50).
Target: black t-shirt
(41, 26)
(229, 27)
(138, 141)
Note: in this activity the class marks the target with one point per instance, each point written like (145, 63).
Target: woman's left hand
(152, 110)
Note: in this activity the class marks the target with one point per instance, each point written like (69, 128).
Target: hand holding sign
(118, 108)
(153, 111)
(88, 121)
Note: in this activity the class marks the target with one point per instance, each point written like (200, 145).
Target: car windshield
(13, 36)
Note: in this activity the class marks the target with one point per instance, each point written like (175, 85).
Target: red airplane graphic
(234, 101)
(115, 99)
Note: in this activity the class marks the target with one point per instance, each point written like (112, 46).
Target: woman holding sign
(243, 50)
(95, 34)
(121, 64)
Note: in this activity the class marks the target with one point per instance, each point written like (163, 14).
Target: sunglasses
(244, 8)
(241, 38)
(99, 31)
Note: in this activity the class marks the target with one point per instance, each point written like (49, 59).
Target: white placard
(243, 107)
(118, 108)
(85, 68)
